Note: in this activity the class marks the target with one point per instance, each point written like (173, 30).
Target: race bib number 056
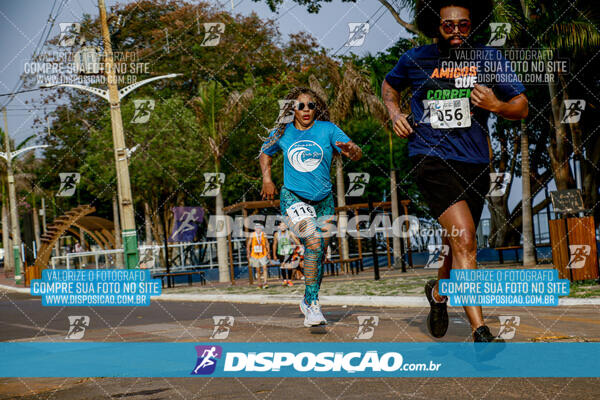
(451, 113)
(299, 211)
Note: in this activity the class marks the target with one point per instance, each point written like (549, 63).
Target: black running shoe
(483, 335)
(437, 320)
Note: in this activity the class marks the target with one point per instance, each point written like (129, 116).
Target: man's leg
(463, 245)
(444, 270)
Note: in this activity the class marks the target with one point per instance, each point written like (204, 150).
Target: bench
(332, 265)
(501, 250)
(171, 281)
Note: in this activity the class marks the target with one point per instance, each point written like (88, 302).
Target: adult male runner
(448, 143)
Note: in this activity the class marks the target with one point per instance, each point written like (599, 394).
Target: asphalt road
(23, 318)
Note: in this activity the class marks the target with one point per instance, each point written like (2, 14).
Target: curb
(363, 301)
(13, 289)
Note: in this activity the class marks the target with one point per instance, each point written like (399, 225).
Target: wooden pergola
(251, 207)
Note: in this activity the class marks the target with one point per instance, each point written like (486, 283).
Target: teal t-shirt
(307, 157)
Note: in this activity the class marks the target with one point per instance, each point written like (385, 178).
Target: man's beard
(444, 44)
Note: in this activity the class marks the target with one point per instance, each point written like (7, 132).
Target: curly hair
(428, 15)
(321, 113)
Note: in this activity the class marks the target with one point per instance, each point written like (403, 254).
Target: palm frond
(24, 142)
(572, 36)
(314, 84)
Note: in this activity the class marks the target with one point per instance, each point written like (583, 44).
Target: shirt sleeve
(398, 76)
(338, 135)
(508, 83)
(270, 146)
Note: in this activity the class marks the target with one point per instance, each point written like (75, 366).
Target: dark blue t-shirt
(432, 76)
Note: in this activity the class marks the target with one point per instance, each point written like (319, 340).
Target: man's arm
(391, 99)
(513, 109)
(274, 244)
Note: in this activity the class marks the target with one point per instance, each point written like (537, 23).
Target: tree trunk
(147, 224)
(118, 244)
(341, 201)
(395, 216)
(499, 224)
(222, 250)
(36, 226)
(559, 158)
(528, 240)
(9, 265)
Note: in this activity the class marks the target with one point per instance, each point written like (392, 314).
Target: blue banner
(100, 287)
(507, 287)
(93, 359)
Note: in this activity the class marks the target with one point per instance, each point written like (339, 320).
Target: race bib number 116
(299, 211)
(451, 113)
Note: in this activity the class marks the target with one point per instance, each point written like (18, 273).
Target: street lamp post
(13, 206)
(113, 95)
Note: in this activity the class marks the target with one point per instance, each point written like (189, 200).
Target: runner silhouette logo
(212, 183)
(305, 155)
(143, 110)
(223, 324)
(212, 33)
(499, 33)
(366, 326)
(573, 110)
(77, 325)
(437, 255)
(358, 33)
(358, 183)
(68, 183)
(207, 359)
(508, 326)
(579, 254)
(498, 183)
(69, 31)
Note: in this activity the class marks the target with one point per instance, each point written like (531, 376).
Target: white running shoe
(312, 314)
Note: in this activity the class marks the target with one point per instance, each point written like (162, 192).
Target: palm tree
(218, 113)
(572, 31)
